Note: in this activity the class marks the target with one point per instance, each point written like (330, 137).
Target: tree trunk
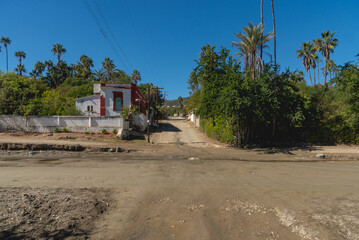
(275, 37)
(318, 72)
(314, 76)
(7, 60)
(262, 22)
(310, 77)
(325, 71)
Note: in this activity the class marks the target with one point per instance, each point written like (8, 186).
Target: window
(88, 108)
(118, 103)
(91, 108)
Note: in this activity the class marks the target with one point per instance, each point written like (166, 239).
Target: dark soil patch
(37, 213)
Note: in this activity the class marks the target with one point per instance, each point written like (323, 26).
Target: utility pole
(156, 105)
(148, 111)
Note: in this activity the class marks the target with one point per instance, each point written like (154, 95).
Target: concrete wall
(140, 120)
(195, 119)
(108, 93)
(50, 123)
(83, 103)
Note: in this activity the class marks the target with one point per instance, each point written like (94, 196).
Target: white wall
(195, 119)
(108, 93)
(140, 120)
(50, 123)
(94, 101)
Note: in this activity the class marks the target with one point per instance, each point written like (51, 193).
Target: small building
(109, 99)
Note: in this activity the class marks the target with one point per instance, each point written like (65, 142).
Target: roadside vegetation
(244, 100)
(52, 87)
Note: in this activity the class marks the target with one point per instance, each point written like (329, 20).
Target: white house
(109, 99)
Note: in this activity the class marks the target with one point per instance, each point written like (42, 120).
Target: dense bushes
(273, 106)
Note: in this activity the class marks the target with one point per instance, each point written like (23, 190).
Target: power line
(103, 32)
(110, 30)
(137, 35)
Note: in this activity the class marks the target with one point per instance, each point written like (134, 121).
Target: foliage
(127, 112)
(57, 130)
(103, 131)
(275, 107)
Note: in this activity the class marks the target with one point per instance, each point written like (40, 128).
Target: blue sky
(161, 38)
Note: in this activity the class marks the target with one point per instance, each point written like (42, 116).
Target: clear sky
(162, 38)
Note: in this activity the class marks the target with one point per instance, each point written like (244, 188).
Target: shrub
(64, 129)
(87, 132)
(92, 132)
(114, 131)
(57, 130)
(103, 131)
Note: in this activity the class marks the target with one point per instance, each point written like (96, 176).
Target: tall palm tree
(317, 45)
(305, 53)
(6, 41)
(59, 50)
(313, 60)
(108, 66)
(274, 35)
(262, 22)
(135, 76)
(21, 55)
(20, 69)
(328, 45)
(251, 42)
(87, 63)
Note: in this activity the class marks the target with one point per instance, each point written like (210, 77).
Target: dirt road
(175, 189)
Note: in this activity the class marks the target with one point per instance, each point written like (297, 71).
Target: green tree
(317, 44)
(86, 64)
(59, 50)
(135, 76)
(6, 41)
(21, 55)
(108, 67)
(20, 69)
(306, 53)
(251, 42)
(327, 47)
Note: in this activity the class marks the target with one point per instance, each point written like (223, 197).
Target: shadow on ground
(167, 127)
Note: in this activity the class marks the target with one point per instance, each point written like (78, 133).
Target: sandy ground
(184, 186)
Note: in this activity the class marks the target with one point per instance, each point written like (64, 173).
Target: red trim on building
(115, 95)
(102, 106)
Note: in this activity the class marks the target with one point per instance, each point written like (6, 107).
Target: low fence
(50, 123)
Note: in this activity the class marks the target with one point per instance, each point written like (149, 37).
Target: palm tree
(20, 69)
(305, 53)
(6, 41)
(99, 75)
(262, 22)
(59, 50)
(108, 66)
(328, 45)
(275, 36)
(317, 45)
(34, 74)
(250, 44)
(39, 68)
(21, 55)
(330, 66)
(87, 63)
(313, 60)
(135, 76)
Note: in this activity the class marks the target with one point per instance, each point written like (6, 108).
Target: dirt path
(173, 190)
